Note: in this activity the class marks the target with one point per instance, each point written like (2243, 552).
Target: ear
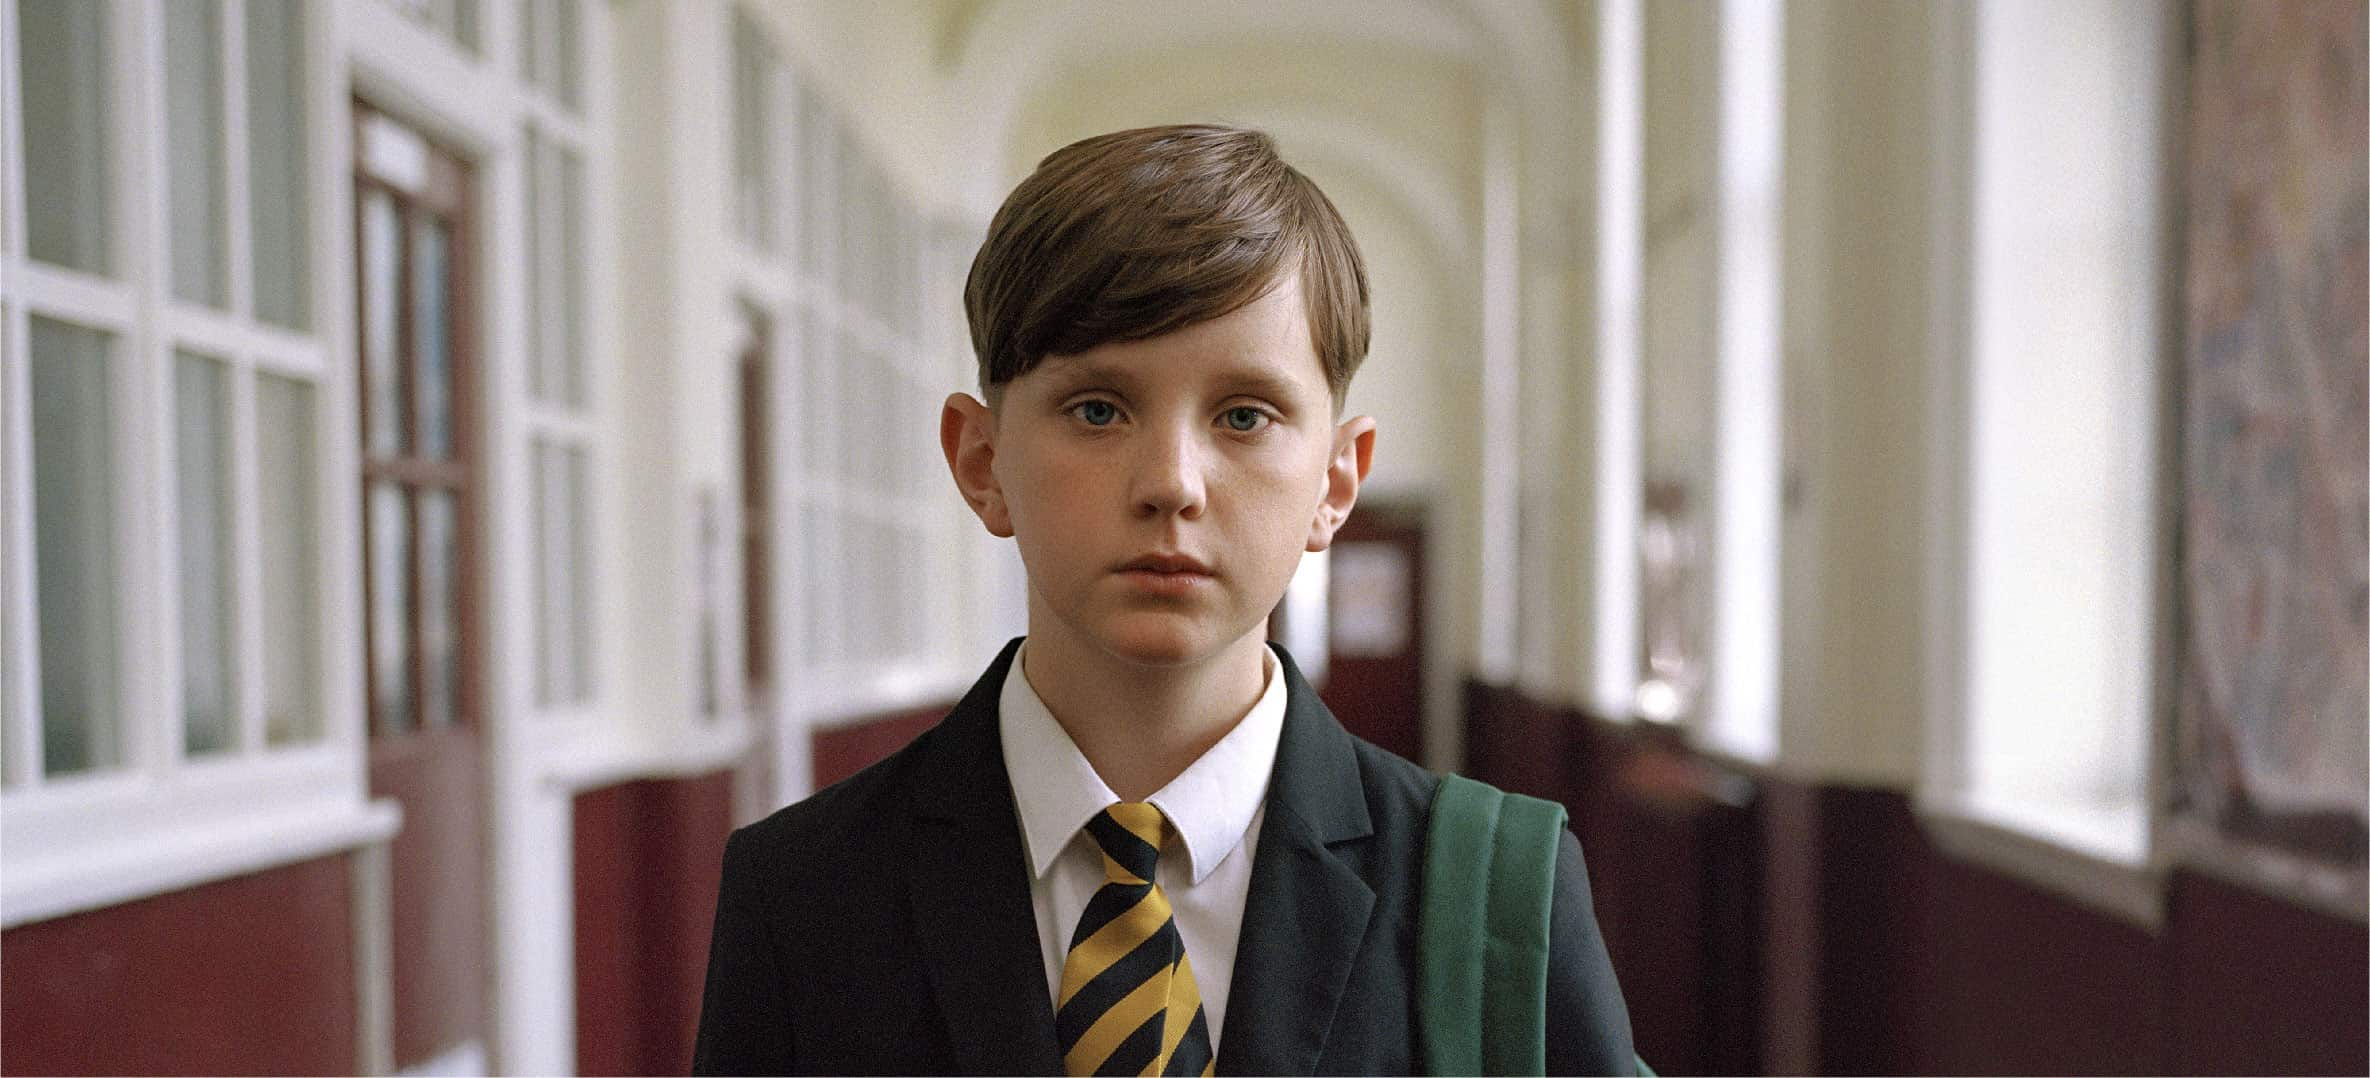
(1353, 453)
(967, 434)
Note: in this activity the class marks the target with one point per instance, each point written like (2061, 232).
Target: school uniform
(910, 920)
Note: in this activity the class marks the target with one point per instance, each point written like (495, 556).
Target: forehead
(1265, 341)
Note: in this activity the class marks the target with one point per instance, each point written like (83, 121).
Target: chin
(1160, 641)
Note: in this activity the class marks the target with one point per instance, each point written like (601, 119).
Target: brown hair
(1138, 233)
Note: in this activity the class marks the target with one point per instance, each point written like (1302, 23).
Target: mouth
(1168, 565)
(1168, 576)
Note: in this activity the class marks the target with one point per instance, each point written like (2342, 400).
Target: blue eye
(1245, 420)
(1096, 413)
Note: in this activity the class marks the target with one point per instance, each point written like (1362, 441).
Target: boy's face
(1163, 490)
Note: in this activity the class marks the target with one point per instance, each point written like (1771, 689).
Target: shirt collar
(1211, 803)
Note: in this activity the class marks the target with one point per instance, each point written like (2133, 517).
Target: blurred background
(1895, 471)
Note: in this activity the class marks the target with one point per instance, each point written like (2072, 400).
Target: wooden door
(1375, 626)
(421, 475)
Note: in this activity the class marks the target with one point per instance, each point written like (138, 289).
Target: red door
(420, 482)
(1375, 626)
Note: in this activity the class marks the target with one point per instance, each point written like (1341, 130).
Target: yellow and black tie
(1128, 1003)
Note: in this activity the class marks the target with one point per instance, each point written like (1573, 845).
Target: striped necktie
(1128, 1003)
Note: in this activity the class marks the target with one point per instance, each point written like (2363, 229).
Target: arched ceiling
(1012, 68)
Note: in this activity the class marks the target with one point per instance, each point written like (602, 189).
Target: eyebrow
(1070, 374)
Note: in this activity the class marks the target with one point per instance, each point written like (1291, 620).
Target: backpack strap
(1481, 937)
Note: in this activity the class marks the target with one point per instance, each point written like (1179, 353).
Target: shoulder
(1398, 791)
(838, 827)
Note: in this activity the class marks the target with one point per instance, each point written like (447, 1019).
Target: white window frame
(160, 820)
(2120, 876)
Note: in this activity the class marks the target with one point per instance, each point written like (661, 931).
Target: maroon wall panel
(1874, 926)
(2262, 986)
(253, 975)
(1514, 744)
(1766, 925)
(841, 751)
(607, 865)
(648, 854)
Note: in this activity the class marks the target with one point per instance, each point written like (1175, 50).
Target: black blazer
(883, 926)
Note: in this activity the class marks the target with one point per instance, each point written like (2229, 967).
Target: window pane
(287, 492)
(440, 615)
(751, 127)
(202, 499)
(69, 175)
(813, 155)
(563, 548)
(276, 188)
(382, 269)
(571, 360)
(455, 19)
(193, 141)
(431, 326)
(570, 44)
(389, 525)
(530, 60)
(74, 547)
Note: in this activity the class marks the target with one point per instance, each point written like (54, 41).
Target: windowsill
(593, 758)
(2094, 855)
(151, 860)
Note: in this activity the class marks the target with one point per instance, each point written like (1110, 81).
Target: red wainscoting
(252, 975)
(648, 855)
(1761, 925)
(2263, 986)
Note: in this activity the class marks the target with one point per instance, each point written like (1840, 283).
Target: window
(196, 406)
(756, 187)
(2050, 618)
(833, 259)
(171, 646)
(551, 49)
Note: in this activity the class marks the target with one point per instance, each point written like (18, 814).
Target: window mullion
(148, 720)
(12, 193)
(20, 675)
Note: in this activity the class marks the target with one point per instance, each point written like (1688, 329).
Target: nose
(1168, 478)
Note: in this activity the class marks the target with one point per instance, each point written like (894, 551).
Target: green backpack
(1481, 938)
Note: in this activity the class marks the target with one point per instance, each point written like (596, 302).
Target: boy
(1140, 844)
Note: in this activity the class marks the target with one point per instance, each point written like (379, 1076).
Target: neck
(1141, 726)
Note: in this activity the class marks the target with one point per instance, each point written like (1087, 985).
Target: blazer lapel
(973, 921)
(1305, 917)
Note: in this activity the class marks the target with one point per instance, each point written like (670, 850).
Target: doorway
(414, 229)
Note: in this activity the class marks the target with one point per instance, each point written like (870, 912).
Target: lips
(1168, 564)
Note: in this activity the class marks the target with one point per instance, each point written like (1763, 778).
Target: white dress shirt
(1215, 806)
